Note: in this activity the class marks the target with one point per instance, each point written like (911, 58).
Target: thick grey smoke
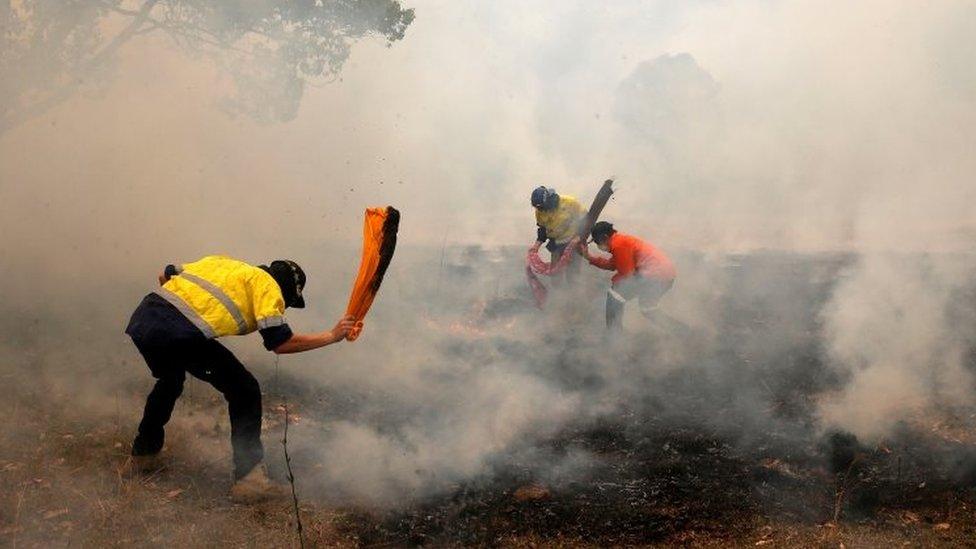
(900, 327)
(732, 128)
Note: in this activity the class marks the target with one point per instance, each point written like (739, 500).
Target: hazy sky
(784, 125)
(794, 124)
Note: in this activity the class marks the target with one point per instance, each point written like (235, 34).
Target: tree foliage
(51, 49)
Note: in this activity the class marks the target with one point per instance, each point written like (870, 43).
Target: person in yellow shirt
(558, 219)
(176, 329)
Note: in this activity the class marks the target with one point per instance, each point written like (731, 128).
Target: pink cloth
(534, 265)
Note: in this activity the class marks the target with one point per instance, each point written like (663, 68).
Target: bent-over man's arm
(306, 342)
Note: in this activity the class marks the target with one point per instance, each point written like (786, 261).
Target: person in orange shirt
(642, 271)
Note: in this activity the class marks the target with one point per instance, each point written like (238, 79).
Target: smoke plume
(809, 169)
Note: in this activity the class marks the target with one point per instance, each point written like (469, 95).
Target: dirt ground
(716, 448)
(59, 487)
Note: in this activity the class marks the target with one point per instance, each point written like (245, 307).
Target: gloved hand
(169, 272)
(541, 235)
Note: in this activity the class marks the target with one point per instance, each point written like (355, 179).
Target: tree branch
(12, 120)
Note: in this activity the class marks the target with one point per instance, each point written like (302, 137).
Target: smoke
(494, 411)
(899, 327)
(733, 130)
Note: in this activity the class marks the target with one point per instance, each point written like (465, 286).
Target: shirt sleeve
(269, 304)
(275, 335)
(605, 263)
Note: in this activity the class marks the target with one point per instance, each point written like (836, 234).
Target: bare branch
(64, 92)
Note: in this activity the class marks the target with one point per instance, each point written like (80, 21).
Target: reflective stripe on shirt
(222, 297)
(187, 311)
(271, 322)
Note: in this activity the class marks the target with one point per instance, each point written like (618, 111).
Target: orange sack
(379, 243)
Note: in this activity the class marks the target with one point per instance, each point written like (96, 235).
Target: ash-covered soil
(681, 435)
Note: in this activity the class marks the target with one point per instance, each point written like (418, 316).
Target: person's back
(225, 296)
(176, 329)
(561, 222)
(647, 260)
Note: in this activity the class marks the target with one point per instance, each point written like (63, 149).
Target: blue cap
(540, 196)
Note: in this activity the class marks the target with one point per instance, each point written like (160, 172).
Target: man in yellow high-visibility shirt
(176, 328)
(558, 219)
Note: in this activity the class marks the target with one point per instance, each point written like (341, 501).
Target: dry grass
(59, 486)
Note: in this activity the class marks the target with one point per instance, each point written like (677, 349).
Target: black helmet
(544, 198)
(291, 279)
(602, 230)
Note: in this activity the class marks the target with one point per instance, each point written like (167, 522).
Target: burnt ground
(677, 458)
(649, 487)
(670, 480)
(683, 485)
